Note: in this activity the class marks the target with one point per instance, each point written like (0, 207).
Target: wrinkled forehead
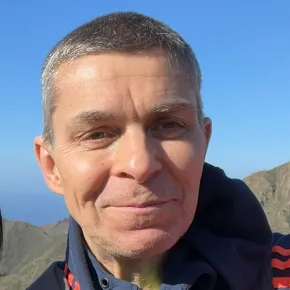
(114, 82)
(153, 63)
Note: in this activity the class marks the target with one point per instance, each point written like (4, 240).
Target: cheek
(185, 160)
(83, 175)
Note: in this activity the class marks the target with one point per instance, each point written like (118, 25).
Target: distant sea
(38, 208)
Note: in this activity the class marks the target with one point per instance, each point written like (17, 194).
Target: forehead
(118, 81)
(105, 66)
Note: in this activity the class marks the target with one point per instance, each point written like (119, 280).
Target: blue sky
(244, 52)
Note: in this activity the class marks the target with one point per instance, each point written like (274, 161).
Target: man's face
(128, 151)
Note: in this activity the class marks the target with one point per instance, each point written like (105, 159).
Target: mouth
(143, 208)
(145, 204)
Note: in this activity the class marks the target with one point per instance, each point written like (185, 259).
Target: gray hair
(115, 32)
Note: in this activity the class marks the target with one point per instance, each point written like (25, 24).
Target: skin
(126, 133)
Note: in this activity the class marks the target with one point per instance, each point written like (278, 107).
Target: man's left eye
(168, 130)
(169, 125)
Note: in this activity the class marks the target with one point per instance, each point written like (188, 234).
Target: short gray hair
(116, 32)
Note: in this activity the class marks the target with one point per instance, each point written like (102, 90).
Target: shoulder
(52, 278)
(281, 261)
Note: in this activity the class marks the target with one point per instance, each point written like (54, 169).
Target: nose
(136, 156)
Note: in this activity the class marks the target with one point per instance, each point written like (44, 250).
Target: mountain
(56, 229)
(28, 249)
(272, 189)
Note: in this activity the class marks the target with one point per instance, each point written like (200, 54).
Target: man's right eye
(98, 139)
(100, 135)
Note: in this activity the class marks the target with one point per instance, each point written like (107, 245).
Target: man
(124, 142)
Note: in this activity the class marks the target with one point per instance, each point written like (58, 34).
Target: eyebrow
(172, 106)
(92, 116)
(163, 108)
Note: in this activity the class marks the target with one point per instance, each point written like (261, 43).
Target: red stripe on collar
(73, 284)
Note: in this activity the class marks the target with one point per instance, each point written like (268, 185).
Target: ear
(43, 153)
(207, 129)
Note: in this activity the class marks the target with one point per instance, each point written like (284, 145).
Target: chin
(146, 243)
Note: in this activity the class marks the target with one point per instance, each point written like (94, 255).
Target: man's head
(124, 136)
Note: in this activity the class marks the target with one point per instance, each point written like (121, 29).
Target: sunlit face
(128, 152)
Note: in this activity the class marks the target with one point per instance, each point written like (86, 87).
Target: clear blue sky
(243, 49)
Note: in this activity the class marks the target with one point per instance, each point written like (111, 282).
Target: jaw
(140, 260)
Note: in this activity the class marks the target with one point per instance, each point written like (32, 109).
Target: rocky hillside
(272, 188)
(28, 250)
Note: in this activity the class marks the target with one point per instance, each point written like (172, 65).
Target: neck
(145, 273)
